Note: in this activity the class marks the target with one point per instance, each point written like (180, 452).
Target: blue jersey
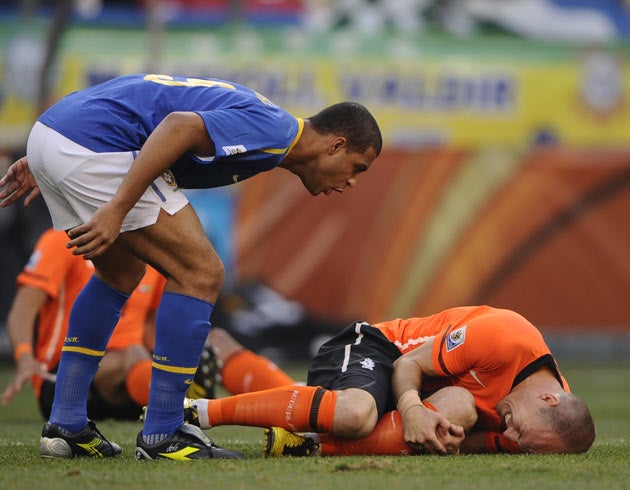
(250, 133)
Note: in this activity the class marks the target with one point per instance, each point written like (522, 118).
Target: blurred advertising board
(423, 89)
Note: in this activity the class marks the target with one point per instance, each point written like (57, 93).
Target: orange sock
(246, 371)
(138, 381)
(387, 439)
(296, 408)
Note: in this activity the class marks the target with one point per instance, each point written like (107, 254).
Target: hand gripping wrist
(408, 399)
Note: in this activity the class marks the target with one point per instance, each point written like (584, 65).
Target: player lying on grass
(417, 385)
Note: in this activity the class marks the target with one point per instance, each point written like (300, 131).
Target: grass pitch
(605, 387)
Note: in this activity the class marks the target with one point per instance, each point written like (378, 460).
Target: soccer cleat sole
(54, 447)
(141, 455)
(89, 442)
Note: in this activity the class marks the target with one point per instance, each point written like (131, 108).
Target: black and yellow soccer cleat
(191, 416)
(186, 444)
(281, 442)
(89, 442)
(205, 379)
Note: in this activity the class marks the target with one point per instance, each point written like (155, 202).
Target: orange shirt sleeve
(498, 342)
(496, 442)
(48, 265)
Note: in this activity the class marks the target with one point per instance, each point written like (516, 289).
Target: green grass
(606, 465)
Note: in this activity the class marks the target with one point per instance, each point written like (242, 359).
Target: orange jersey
(483, 349)
(54, 270)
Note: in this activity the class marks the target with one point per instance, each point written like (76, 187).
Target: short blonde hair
(572, 421)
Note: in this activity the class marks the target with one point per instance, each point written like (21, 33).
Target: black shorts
(97, 407)
(360, 356)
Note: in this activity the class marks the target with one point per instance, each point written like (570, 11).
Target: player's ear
(551, 399)
(338, 143)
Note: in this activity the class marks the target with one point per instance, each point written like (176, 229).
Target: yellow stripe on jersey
(280, 151)
(275, 151)
(297, 136)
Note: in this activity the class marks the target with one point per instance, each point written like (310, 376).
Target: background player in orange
(38, 322)
(240, 369)
(418, 384)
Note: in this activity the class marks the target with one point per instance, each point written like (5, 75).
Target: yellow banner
(441, 97)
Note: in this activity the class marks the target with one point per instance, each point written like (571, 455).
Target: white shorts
(75, 181)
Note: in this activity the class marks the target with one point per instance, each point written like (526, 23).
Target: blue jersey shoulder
(120, 114)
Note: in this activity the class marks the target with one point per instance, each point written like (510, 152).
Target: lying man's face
(523, 423)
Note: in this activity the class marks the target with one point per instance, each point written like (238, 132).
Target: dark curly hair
(352, 121)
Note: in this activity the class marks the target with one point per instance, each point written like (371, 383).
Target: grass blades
(605, 387)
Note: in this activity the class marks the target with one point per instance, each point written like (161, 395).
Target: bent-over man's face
(336, 172)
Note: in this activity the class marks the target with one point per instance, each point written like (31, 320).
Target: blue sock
(181, 330)
(94, 315)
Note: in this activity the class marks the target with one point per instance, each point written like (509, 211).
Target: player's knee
(355, 414)
(457, 404)
(124, 279)
(216, 277)
(358, 422)
(202, 276)
(223, 343)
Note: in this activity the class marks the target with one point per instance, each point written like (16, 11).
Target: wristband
(407, 400)
(21, 349)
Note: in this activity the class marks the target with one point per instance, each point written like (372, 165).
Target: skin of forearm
(407, 377)
(410, 367)
(174, 136)
(23, 315)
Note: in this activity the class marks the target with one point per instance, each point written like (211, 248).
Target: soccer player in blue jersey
(109, 161)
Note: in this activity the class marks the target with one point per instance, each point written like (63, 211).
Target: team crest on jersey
(455, 338)
(169, 178)
(234, 150)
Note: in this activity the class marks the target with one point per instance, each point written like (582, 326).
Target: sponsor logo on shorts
(455, 338)
(234, 150)
(169, 178)
(368, 363)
